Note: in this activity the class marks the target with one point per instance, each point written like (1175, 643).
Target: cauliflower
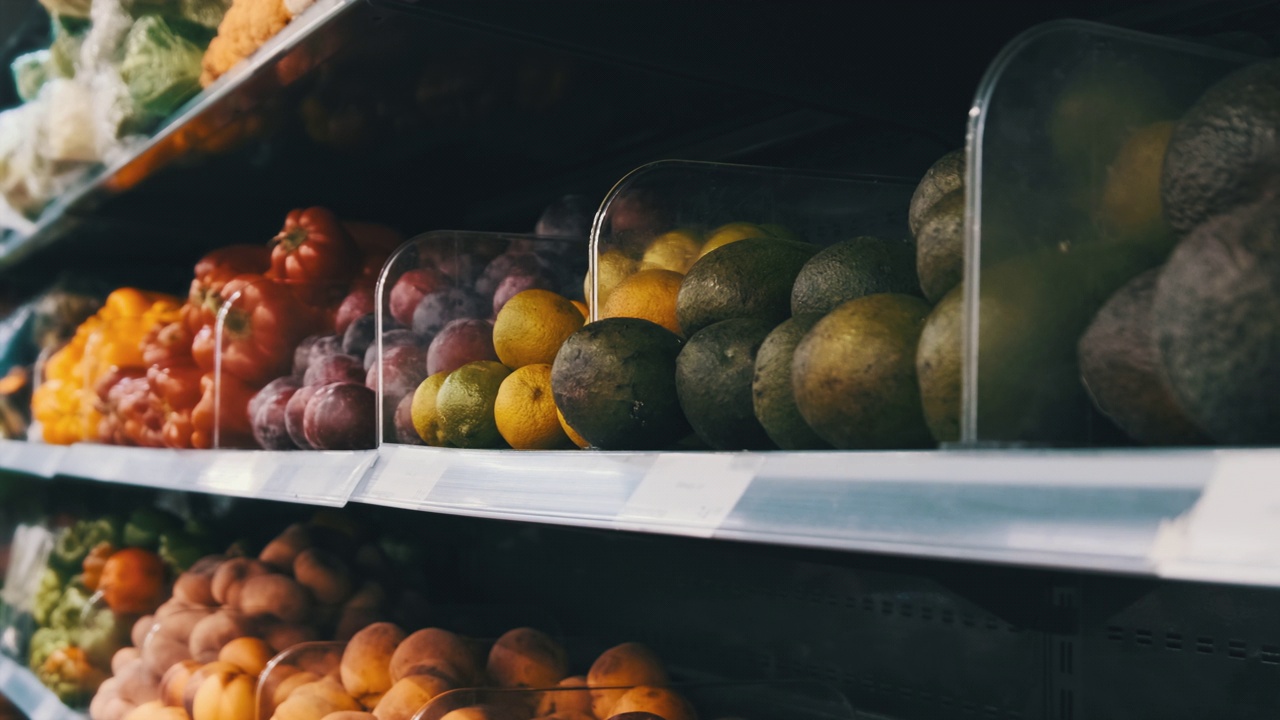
(247, 25)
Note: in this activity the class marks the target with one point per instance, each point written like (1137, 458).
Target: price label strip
(405, 476)
(688, 494)
(1232, 534)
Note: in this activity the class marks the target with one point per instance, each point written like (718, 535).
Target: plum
(401, 428)
(334, 368)
(295, 414)
(312, 349)
(444, 306)
(341, 417)
(411, 287)
(511, 263)
(359, 335)
(460, 342)
(288, 384)
(356, 304)
(404, 367)
(517, 283)
(394, 338)
(267, 412)
(569, 217)
(459, 265)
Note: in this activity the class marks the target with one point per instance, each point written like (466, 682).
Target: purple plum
(401, 428)
(460, 342)
(341, 417)
(267, 412)
(295, 414)
(394, 338)
(359, 335)
(404, 367)
(334, 368)
(569, 217)
(515, 284)
(409, 290)
(444, 306)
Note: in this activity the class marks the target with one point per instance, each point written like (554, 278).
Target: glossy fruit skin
(221, 418)
(263, 324)
(313, 249)
(212, 272)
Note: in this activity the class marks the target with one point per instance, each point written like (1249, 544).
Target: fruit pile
(141, 371)
(752, 339)
(200, 653)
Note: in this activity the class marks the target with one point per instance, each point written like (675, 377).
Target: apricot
(408, 695)
(366, 662)
(437, 651)
(527, 658)
(618, 668)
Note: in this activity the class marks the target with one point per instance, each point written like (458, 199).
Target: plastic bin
(1062, 211)
(462, 278)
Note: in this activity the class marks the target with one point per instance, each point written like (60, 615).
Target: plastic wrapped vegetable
(70, 608)
(30, 73)
(74, 544)
(64, 52)
(47, 596)
(161, 67)
(205, 13)
(147, 525)
(70, 8)
(63, 667)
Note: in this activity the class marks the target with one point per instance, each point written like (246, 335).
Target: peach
(566, 701)
(324, 574)
(439, 652)
(408, 695)
(663, 702)
(618, 668)
(229, 578)
(123, 657)
(214, 631)
(276, 596)
(366, 662)
(527, 658)
(281, 636)
(250, 654)
(283, 550)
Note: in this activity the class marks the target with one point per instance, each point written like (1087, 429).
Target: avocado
(748, 278)
(1121, 369)
(772, 396)
(851, 269)
(713, 381)
(938, 366)
(940, 246)
(854, 374)
(944, 177)
(614, 382)
(1214, 317)
(1223, 147)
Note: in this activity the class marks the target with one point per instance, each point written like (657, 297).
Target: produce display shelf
(1192, 514)
(315, 478)
(27, 694)
(62, 216)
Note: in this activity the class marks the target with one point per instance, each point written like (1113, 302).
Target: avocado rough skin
(940, 246)
(943, 177)
(771, 392)
(1121, 369)
(852, 269)
(1215, 321)
(614, 382)
(1223, 147)
(938, 366)
(854, 374)
(748, 278)
(713, 380)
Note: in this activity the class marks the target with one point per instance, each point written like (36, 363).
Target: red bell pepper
(222, 415)
(212, 273)
(314, 251)
(264, 321)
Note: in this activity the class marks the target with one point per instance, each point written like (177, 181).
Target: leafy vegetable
(30, 73)
(161, 67)
(74, 543)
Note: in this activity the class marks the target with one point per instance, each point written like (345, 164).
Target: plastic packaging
(161, 67)
(1057, 218)
(436, 300)
(666, 214)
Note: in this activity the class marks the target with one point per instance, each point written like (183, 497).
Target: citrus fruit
(573, 434)
(675, 250)
(525, 411)
(426, 418)
(582, 308)
(730, 233)
(648, 295)
(611, 267)
(465, 404)
(531, 327)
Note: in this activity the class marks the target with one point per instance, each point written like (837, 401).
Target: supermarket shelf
(315, 478)
(35, 700)
(63, 215)
(1195, 514)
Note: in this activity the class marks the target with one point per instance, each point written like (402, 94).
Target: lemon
(648, 295)
(582, 308)
(465, 404)
(573, 434)
(532, 326)
(731, 233)
(525, 411)
(423, 410)
(675, 250)
(611, 267)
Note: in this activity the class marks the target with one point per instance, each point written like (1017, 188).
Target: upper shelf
(1191, 514)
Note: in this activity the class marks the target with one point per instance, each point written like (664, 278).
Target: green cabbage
(161, 67)
(206, 13)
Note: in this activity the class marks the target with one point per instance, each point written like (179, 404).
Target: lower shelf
(27, 694)
(1192, 514)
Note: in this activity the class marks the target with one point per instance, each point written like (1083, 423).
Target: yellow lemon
(675, 250)
(423, 410)
(531, 327)
(525, 411)
(731, 233)
(612, 266)
(573, 434)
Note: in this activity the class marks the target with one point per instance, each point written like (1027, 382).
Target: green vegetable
(30, 73)
(48, 594)
(63, 667)
(146, 526)
(75, 542)
(205, 13)
(179, 550)
(101, 633)
(68, 613)
(161, 67)
(64, 52)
